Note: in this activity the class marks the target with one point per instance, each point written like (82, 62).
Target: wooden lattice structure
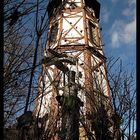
(74, 66)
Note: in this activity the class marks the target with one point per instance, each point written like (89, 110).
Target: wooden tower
(73, 86)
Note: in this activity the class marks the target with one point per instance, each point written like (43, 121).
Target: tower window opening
(53, 33)
(95, 5)
(92, 32)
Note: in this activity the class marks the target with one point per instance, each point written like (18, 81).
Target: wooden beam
(76, 10)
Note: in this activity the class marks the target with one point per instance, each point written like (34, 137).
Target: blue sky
(118, 22)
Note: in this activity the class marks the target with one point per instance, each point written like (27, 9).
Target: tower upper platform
(93, 4)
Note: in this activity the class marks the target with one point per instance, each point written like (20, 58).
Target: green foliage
(70, 102)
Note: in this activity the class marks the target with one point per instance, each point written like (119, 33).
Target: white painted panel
(77, 2)
(74, 0)
(73, 33)
(101, 81)
(73, 14)
(104, 82)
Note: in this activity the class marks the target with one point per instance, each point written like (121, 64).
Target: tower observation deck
(74, 96)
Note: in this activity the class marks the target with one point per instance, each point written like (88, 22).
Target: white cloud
(131, 2)
(130, 31)
(127, 12)
(131, 9)
(105, 15)
(114, 1)
(115, 38)
(123, 32)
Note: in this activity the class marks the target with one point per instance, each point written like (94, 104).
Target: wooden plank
(63, 48)
(68, 10)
